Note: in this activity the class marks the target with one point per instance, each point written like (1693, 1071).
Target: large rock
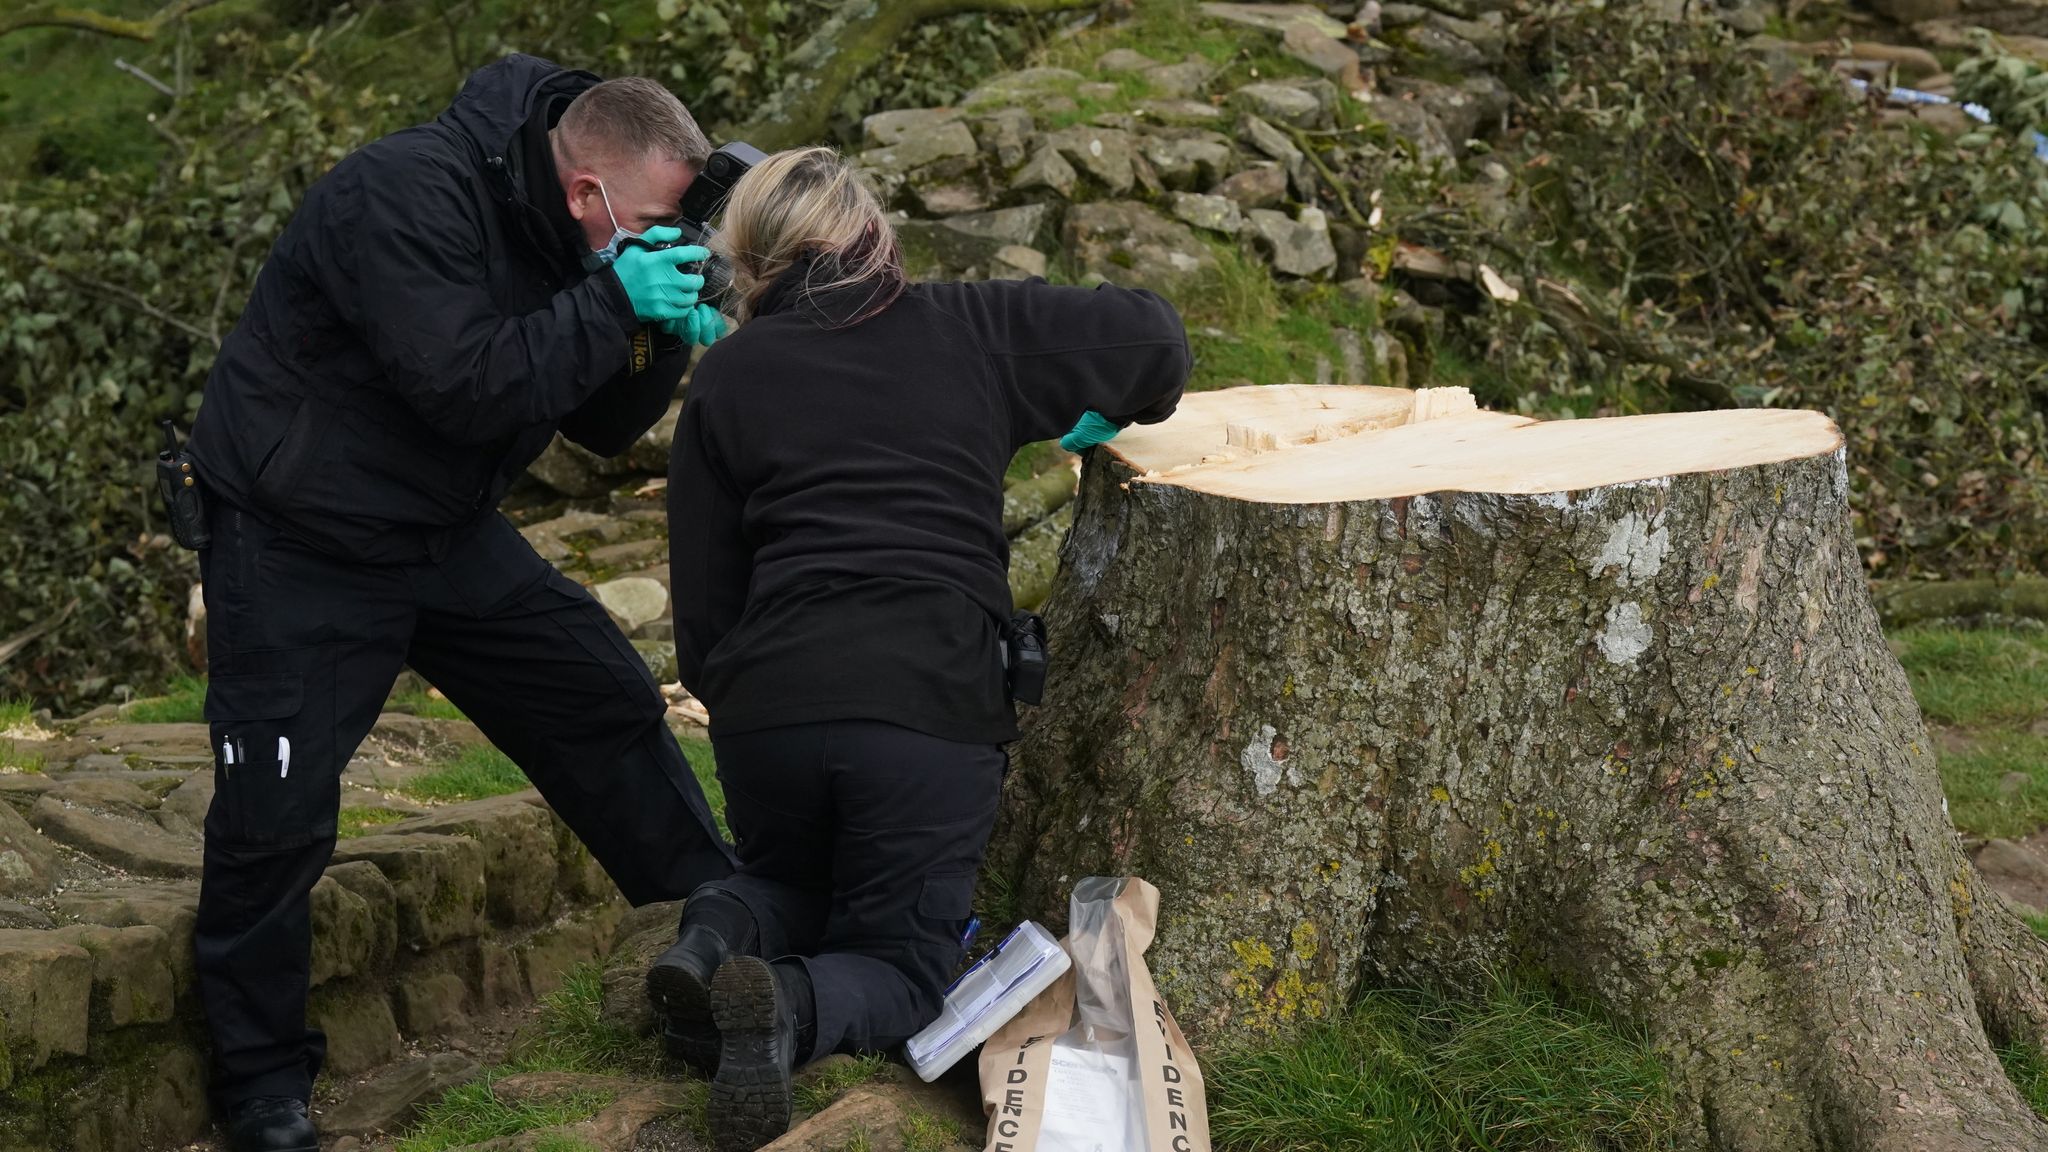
(45, 1000)
(357, 1019)
(431, 1003)
(438, 882)
(2017, 871)
(1189, 78)
(1277, 19)
(135, 1095)
(1189, 160)
(1466, 111)
(1437, 47)
(1004, 134)
(942, 151)
(582, 937)
(28, 863)
(392, 1099)
(961, 242)
(632, 601)
(1298, 105)
(172, 908)
(889, 129)
(1215, 213)
(660, 658)
(113, 823)
(183, 811)
(1130, 244)
(345, 932)
(1101, 154)
(1408, 120)
(568, 470)
(1045, 171)
(132, 977)
(1335, 58)
(380, 899)
(1181, 113)
(1016, 262)
(183, 746)
(625, 972)
(1299, 247)
(518, 842)
(1036, 89)
(581, 880)
(1260, 186)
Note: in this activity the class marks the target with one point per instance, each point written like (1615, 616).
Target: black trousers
(302, 652)
(859, 843)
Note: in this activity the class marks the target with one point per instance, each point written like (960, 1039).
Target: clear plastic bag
(1096, 1063)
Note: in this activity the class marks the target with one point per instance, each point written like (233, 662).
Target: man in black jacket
(442, 303)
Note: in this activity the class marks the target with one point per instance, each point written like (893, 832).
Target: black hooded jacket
(420, 331)
(835, 496)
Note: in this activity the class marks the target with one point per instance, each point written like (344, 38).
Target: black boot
(271, 1124)
(762, 1019)
(679, 983)
(716, 926)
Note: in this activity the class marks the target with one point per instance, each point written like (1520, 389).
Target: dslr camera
(705, 200)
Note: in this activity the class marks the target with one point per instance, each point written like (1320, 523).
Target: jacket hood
(497, 99)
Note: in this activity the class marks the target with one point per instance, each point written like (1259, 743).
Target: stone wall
(440, 918)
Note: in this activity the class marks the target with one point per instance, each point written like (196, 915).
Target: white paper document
(1088, 1103)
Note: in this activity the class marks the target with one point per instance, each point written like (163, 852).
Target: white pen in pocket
(284, 756)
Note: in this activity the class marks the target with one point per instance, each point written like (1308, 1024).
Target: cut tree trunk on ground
(1412, 704)
(1902, 603)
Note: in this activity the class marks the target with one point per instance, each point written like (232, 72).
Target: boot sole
(750, 1095)
(689, 1032)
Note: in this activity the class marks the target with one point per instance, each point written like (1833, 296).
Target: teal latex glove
(701, 325)
(1093, 429)
(657, 289)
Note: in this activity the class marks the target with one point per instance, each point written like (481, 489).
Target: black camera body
(704, 201)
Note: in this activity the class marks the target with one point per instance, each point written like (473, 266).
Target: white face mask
(610, 251)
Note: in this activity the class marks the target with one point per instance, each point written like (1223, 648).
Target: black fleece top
(835, 492)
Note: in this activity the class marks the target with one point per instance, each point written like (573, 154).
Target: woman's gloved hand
(700, 325)
(658, 289)
(1093, 429)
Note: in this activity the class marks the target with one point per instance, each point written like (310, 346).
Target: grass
(185, 703)
(924, 1132)
(2038, 923)
(570, 1034)
(354, 822)
(477, 772)
(2027, 1067)
(472, 1114)
(424, 706)
(16, 713)
(1516, 1071)
(815, 1094)
(1241, 330)
(705, 766)
(1987, 689)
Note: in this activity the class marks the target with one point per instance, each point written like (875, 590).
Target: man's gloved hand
(700, 325)
(651, 279)
(1093, 429)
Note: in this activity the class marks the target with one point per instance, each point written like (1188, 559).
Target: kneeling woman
(841, 589)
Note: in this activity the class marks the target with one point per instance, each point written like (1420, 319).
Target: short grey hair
(629, 118)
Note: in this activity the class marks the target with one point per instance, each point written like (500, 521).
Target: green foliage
(184, 703)
(2013, 90)
(2028, 1069)
(1515, 1070)
(1696, 205)
(2038, 923)
(1974, 775)
(705, 767)
(16, 712)
(354, 822)
(1241, 330)
(818, 1092)
(924, 1132)
(477, 772)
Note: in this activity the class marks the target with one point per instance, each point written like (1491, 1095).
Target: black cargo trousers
(302, 650)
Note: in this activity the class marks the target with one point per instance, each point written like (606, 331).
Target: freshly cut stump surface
(1382, 689)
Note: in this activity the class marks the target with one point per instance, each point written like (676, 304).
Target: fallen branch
(847, 43)
(86, 20)
(1901, 603)
(20, 640)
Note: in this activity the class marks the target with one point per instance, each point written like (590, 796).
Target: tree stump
(1388, 700)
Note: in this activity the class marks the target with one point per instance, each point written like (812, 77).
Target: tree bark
(1645, 736)
(850, 41)
(86, 20)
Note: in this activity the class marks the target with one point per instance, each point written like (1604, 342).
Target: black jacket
(422, 328)
(835, 493)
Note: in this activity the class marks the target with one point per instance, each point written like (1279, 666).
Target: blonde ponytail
(809, 202)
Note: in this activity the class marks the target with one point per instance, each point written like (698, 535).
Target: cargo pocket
(272, 785)
(947, 896)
